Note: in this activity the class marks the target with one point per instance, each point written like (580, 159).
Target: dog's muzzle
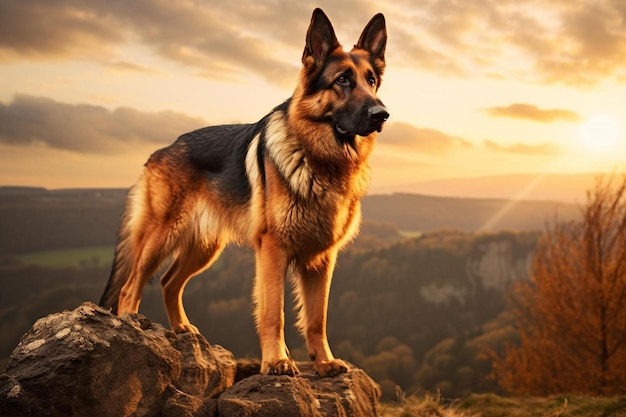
(368, 120)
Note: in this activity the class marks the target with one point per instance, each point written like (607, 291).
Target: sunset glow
(600, 133)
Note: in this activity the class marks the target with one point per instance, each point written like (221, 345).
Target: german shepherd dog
(289, 185)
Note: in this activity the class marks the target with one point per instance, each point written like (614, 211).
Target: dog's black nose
(378, 114)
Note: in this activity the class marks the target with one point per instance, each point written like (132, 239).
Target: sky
(89, 89)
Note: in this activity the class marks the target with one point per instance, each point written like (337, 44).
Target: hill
(413, 212)
(417, 313)
(35, 219)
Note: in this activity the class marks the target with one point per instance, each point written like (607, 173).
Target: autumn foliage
(571, 316)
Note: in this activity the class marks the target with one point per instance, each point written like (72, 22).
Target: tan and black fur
(289, 185)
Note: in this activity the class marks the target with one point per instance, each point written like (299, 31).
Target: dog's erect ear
(320, 40)
(374, 38)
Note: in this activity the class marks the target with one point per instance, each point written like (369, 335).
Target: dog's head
(340, 87)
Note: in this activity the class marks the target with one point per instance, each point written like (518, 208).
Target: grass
(94, 256)
(428, 406)
(491, 405)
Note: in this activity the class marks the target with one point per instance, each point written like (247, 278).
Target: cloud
(589, 45)
(426, 58)
(548, 149)
(220, 39)
(532, 112)
(554, 41)
(126, 66)
(40, 121)
(52, 30)
(424, 140)
(198, 35)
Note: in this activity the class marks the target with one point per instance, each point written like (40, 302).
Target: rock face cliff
(88, 362)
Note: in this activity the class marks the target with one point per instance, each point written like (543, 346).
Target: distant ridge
(545, 187)
(416, 212)
(16, 189)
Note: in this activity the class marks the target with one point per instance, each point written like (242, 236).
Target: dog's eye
(372, 81)
(342, 79)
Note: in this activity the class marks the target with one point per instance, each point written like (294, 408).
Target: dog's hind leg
(187, 262)
(148, 254)
(314, 289)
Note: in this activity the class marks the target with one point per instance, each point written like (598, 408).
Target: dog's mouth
(343, 131)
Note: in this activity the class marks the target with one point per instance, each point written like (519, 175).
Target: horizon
(473, 92)
(558, 188)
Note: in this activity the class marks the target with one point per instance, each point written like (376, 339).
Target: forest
(423, 309)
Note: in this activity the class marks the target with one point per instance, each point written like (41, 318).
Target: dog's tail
(123, 260)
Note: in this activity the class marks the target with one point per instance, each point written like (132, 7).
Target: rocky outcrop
(349, 394)
(89, 362)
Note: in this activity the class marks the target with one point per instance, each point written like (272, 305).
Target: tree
(571, 316)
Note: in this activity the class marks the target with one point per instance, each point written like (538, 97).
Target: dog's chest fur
(309, 211)
(310, 224)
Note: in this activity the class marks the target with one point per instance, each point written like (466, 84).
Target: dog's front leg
(269, 293)
(314, 291)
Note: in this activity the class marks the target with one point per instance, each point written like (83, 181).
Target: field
(95, 256)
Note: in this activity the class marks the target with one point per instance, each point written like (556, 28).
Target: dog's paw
(329, 369)
(185, 328)
(280, 367)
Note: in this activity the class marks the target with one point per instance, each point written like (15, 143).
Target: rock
(349, 394)
(74, 363)
(90, 362)
(206, 370)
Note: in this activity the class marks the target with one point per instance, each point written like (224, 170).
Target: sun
(600, 133)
